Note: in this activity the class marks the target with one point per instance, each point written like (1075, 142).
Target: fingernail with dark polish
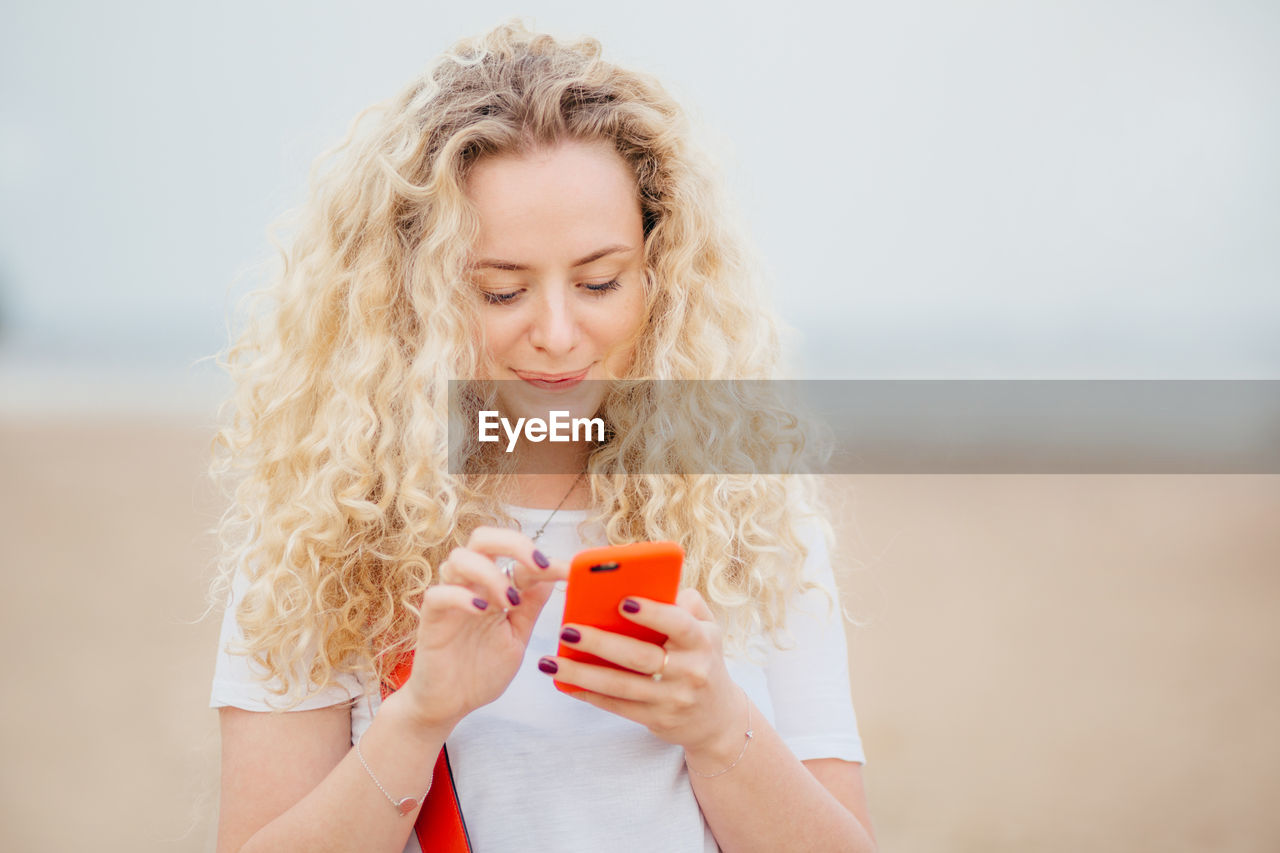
(571, 635)
(513, 596)
(548, 666)
(480, 603)
(631, 606)
(541, 559)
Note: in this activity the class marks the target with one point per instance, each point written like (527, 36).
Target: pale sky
(939, 189)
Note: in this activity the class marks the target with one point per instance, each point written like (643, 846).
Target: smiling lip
(552, 381)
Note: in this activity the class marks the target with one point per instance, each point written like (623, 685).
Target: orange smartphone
(600, 578)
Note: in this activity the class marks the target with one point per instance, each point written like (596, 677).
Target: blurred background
(939, 190)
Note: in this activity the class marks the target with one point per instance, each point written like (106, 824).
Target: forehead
(573, 197)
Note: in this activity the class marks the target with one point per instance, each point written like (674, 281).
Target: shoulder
(238, 682)
(807, 669)
(816, 580)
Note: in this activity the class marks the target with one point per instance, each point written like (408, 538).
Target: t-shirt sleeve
(809, 679)
(239, 683)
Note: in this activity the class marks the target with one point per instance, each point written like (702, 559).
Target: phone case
(600, 578)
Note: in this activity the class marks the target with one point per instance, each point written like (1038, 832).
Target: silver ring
(657, 676)
(509, 569)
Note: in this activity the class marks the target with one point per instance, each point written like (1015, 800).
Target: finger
(503, 542)
(690, 599)
(558, 570)
(634, 711)
(601, 679)
(440, 600)
(524, 617)
(681, 627)
(636, 655)
(480, 575)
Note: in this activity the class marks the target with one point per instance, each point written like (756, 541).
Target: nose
(555, 329)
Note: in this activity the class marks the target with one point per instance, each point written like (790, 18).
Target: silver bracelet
(405, 806)
(750, 734)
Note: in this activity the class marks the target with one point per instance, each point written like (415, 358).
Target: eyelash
(603, 288)
(508, 298)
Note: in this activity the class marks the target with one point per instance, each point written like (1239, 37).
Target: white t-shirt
(539, 770)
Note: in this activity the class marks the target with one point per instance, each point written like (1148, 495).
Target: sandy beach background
(1041, 663)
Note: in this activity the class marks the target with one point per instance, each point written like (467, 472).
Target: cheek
(620, 328)
(637, 317)
(499, 336)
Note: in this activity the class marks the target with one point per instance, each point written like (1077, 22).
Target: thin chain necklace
(543, 528)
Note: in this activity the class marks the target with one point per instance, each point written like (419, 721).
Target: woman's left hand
(694, 701)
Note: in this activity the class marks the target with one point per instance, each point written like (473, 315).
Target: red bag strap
(439, 826)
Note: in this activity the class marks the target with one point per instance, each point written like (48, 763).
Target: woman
(530, 214)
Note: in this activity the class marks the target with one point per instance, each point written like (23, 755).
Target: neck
(546, 491)
(546, 474)
(551, 458)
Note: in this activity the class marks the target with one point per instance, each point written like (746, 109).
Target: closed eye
(499, 298)
(506, 298)
(603, 288)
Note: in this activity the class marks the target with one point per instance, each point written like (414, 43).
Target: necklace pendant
(407, 805)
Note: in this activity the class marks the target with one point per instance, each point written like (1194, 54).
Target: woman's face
(559, 270)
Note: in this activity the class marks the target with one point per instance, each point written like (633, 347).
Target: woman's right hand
(467, 654)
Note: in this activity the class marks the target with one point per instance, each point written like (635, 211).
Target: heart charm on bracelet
(407, 805)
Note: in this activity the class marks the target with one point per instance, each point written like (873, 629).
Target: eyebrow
(489, 263)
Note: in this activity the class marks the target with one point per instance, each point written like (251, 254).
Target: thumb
(691, 600)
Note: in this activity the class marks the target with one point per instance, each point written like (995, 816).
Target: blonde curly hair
(343, 505)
